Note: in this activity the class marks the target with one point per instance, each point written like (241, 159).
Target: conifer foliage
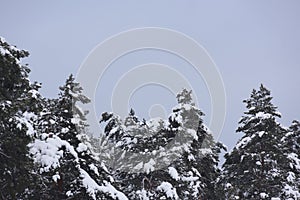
(16, 119)
(71, 168)
(174, 159)
(255, 169)
(46, 151)
(291, 147)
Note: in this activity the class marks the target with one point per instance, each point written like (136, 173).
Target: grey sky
(251, 42)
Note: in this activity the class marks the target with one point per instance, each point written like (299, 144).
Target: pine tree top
(185, 97)
(260, 108)
(260, 101)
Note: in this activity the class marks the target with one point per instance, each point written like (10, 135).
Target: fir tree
(113, 130)
(149, 146)
(19, 105)
(253, 170)
(291, 146)
(70, 168)
(197, 166)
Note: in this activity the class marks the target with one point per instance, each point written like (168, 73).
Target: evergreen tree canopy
(291, 147)
(253, 170)
(46, 151)
(64, 154)
(174, 159)
(18, 107)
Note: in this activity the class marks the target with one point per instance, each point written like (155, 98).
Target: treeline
(47, 152)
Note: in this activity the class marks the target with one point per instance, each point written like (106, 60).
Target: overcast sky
(251, 42)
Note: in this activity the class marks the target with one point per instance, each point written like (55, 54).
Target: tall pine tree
(291, 147)
(19, 104)
(253, 170)
(165, 160)
(68, 165)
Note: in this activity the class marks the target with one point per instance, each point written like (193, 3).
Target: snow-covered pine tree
(291, 146)
(113, 129)
(112, 144)
(118, 147)
(19, 103)
(154, 144)
(69, 166)
(129, 147)
(253, 170)
(194, 173)
(120, 137)
(131, 120)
